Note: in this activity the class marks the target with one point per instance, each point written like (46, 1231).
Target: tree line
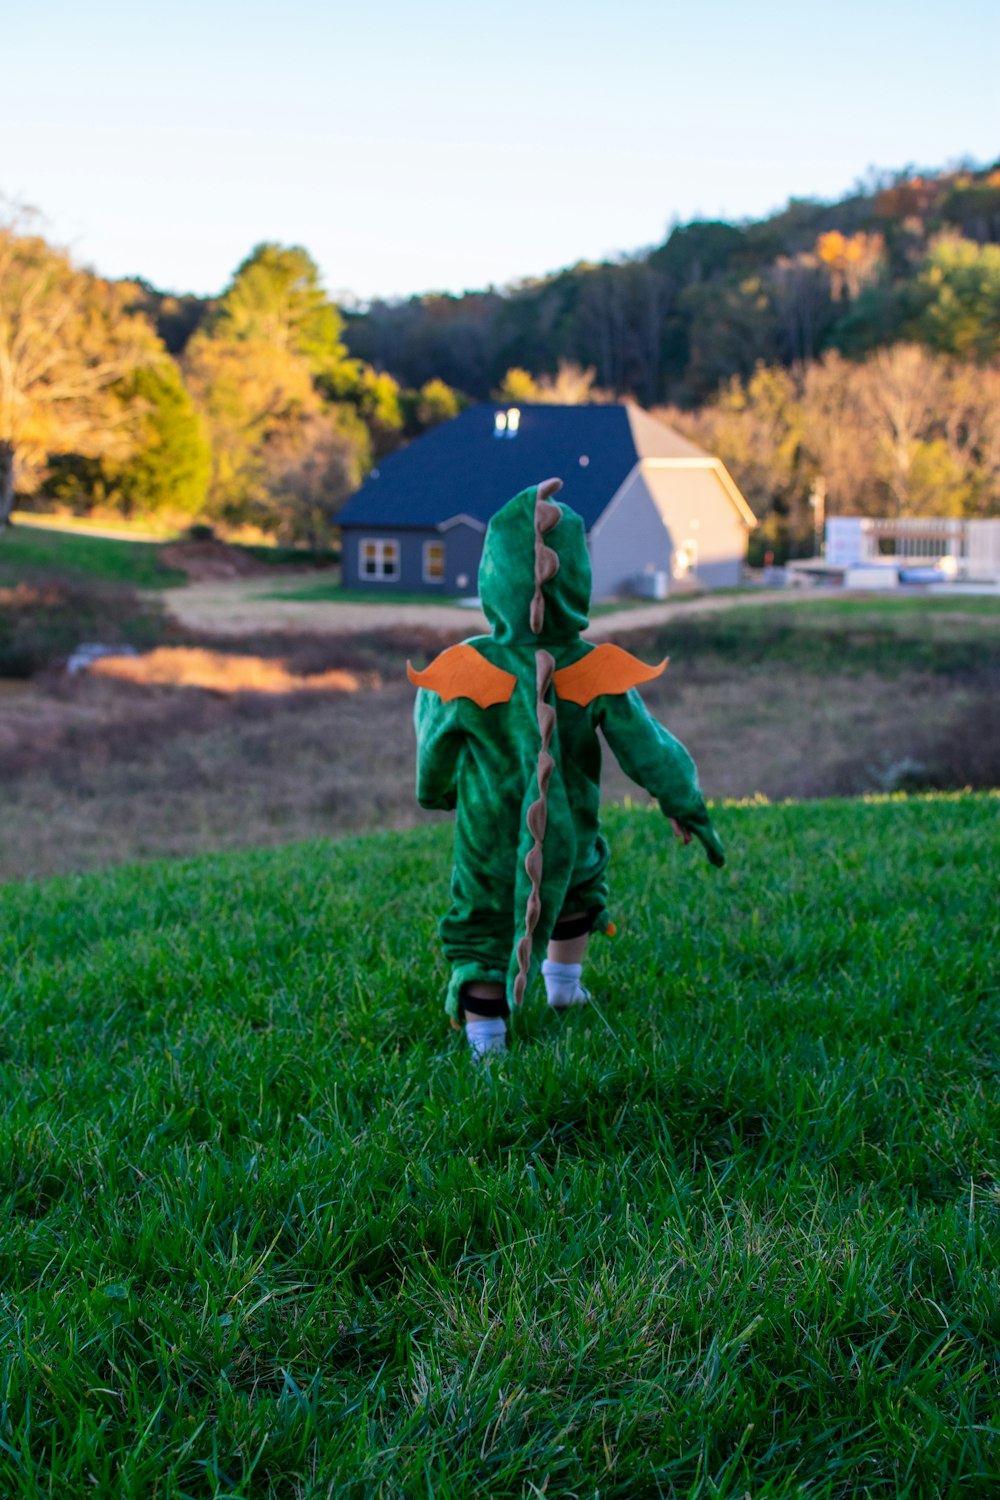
(902, 432)
(854, 346)
(910, 258)
(246, 410)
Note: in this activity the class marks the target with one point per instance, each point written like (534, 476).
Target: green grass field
(735, 1232)
(30, 550)
(331, 592)
(829, 636)
(893, 606)
(33, 550)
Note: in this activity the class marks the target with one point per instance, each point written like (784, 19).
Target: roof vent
(506, 423)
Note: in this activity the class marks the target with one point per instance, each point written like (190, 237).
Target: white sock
(487, 1036)
(562, 984)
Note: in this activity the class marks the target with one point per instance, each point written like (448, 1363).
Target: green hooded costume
(507, 736)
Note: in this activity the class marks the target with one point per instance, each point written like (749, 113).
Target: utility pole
(817, 501)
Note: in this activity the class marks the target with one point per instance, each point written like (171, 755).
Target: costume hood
(534, 578)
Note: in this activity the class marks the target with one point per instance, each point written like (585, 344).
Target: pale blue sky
(451, 145)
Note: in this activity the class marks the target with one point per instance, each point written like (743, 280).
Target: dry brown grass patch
(23, 595)
(219, 672)
(211, 561)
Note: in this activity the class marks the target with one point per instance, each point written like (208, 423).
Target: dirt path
(249, 606)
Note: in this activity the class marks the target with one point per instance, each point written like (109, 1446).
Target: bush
(964, 755)
(967, 754)
(42, 622)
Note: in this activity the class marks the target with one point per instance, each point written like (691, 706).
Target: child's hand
(684, 834)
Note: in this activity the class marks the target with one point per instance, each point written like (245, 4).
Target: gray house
(660, 512)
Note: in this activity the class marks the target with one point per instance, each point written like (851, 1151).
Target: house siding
(462, 544)
(659, 512)
(697, 512)
(651, 501)
(628, 539)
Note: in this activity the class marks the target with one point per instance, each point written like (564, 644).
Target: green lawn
(734, 1232)
(292, 557)
(902, 606)
(29, 545)
(833, 636)
(33, 550)
(332, 593)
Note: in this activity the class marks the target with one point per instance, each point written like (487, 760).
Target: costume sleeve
(651, 756)
(439, 744)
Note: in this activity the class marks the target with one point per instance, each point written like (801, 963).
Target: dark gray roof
(462, 468)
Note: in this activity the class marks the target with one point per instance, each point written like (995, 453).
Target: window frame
(386, 549)
(428, 577)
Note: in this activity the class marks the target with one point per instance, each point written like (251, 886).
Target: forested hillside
(852, 345)
(912, 258)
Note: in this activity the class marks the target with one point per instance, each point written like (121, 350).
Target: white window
(378, 558)
(434, 562)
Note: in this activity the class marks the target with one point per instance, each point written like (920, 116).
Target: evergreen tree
(170, 467)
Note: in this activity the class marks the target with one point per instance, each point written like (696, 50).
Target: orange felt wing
(606, 669)
(460, 672)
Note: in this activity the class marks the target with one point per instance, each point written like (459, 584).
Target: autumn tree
(838, 432)
(436, 403)
(281, 402)
(852, 261)
(518, 387)
(276, 298)
(66, 339)
(311, 468)
(904, 432)
(756, 428)
(971, 428)
(376, 397)
(250, 393)
(571, 385)
(961, 282)
(906, 392)
(166, 468)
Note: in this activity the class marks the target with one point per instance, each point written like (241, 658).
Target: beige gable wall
(675, 516)
(705, 526)
(628, 538)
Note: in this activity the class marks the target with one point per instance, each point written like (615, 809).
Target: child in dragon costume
(507, 737)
